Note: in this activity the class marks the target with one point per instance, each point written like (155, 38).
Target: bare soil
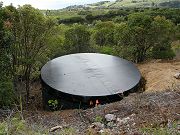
(160, 74)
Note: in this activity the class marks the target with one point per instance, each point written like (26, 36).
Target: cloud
(48, 4)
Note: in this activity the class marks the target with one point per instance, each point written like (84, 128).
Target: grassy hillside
(136, 3)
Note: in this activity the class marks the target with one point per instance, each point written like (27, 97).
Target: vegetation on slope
(146, 3)
(130, 4)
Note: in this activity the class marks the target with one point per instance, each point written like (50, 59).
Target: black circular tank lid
(90, 74)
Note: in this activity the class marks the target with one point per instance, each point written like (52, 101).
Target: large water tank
(81, 80)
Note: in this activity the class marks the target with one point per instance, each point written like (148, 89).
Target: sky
(48, 4)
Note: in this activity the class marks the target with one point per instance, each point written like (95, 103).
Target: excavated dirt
(160, 74)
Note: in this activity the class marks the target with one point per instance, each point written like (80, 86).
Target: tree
(6, 91)
(104, 33)
(142, 35)
(30, 30)
(177, 32)
(165, 33)
(55, 43)
(123, 41)
(77, 39)
(119, 19)
(135, 37)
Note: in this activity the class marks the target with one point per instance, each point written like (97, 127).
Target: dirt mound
(160, 74)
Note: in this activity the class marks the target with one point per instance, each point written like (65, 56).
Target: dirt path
(159, 74)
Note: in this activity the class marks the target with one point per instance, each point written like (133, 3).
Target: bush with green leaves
(6, 86)
(163, 53)
(77, 39)
(6, 93)
(142, 35)
(108, 50)
(53, 104)
(103, 33)
(165, 31)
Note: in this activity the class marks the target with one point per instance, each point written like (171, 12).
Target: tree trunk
(27, 82)
(27, 89)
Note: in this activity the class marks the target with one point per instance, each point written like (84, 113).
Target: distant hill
(130, 4)
(146, 3)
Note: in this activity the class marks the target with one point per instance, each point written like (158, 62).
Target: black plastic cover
(90, 74)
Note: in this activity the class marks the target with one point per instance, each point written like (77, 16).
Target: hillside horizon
(129, 4)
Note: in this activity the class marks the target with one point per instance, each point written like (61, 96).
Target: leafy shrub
(76, 19)
(104, 32)
(164, 54)
(107, 50)
(6, 94)
(6, 85)
(77, 39)
(53, 104)
(119, 19)
(84, 12)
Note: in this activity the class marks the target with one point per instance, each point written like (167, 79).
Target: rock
(118, 119)
(114, 111)
(110, 124)
(110, 117)
(123, 121)
(105, 131)
(169, 124)
(133, 115)
(177, 75)
(97, 125)
(101, 131)
(134, 124)
(55, 128)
